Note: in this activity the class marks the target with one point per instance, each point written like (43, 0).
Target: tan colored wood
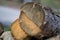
(28, 25)
(16, 30)
(34, 12)
(27, 38)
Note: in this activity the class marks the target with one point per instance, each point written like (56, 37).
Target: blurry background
(10, 9)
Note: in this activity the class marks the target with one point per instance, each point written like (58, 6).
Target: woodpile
(31, 23)
(32, 17)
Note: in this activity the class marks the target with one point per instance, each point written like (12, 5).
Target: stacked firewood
(33, 24)
(32, 17)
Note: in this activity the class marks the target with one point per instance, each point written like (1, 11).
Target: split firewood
(28, 26)
(17, 31)
(34, 12)
(33, 22)
(32, 18)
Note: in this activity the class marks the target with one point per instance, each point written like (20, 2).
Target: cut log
(32, 18)
(17, 31)
(34, 12)
(29, 26)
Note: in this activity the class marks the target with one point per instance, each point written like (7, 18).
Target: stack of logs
(31, 23)
(32, 17)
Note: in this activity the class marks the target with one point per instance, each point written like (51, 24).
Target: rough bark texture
(31, 21)
(52, 26)
(54, 38)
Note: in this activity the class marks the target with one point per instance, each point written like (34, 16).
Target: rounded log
(29, 26)
(34, 12)
(32, 17)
